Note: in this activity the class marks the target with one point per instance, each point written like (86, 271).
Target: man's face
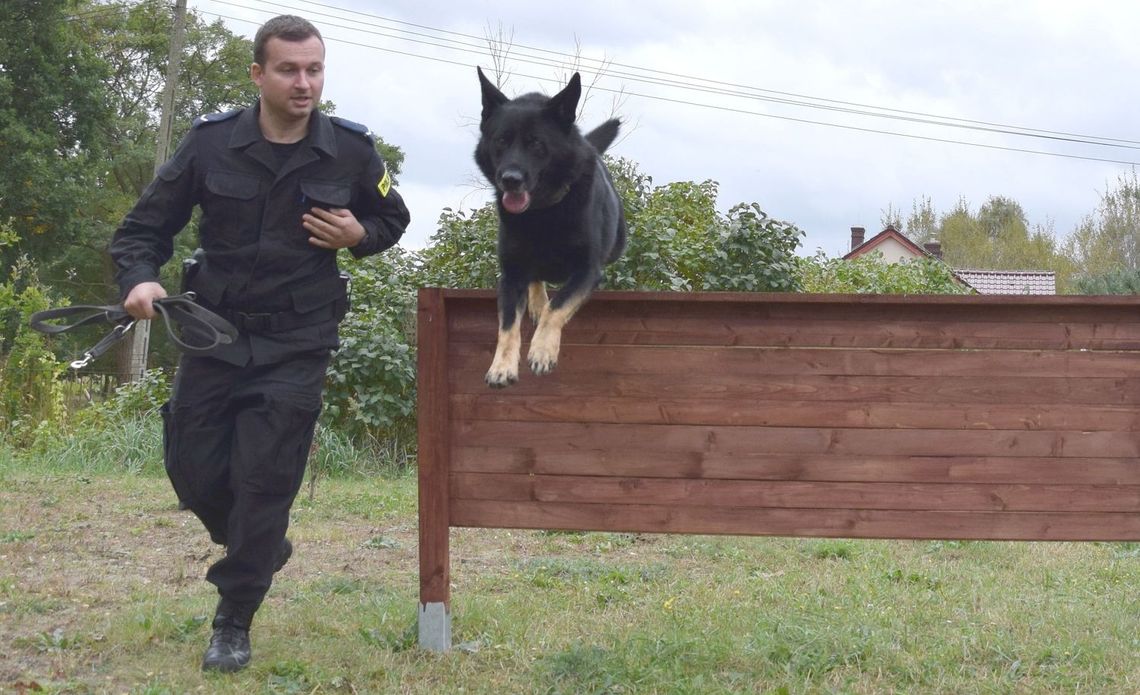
(292, 78)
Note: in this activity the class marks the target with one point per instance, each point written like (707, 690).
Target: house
(895, 247)
(890, 242)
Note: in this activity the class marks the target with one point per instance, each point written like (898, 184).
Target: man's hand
(333, 229)
(139, 301)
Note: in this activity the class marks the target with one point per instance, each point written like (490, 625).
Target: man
(281, 188)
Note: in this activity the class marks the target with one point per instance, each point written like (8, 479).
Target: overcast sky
(703, 85)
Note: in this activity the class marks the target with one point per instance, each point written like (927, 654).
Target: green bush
(140, 398)
(671, 230)
(679, 242)
(754, 253)
(31, 397)
(370, 389)
(871, 274)
(463, 252)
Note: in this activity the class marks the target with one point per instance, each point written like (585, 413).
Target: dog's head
(529, 147)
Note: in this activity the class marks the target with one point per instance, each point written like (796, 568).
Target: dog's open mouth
(515, 202)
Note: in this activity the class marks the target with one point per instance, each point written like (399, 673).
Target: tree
(891, 217)
(133, 40)
(78, 116)
(1109, 240)
(922, 225)
(996, 237)
(1113, 282)
(53, 123)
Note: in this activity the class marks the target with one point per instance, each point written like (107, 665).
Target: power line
(676, 80)
(670, 79)
(1056, 136)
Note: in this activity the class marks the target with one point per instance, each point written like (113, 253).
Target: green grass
(101, 590)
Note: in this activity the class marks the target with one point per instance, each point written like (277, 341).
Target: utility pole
(140, 341)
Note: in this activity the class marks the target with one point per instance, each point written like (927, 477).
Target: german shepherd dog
(560, 217)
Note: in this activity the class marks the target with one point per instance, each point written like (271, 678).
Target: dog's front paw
(501, 378)
(542, 364)
(543, 353)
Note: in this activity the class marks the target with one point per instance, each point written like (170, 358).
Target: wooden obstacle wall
(865, 416)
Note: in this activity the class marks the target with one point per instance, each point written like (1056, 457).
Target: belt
(278, 321)
(176, 309)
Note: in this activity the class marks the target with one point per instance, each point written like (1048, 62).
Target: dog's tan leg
(537, 300)
(504, 369)
(547, 340)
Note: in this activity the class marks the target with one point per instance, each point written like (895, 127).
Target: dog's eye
(538, 147)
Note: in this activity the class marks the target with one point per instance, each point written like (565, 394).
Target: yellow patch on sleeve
(385, 184)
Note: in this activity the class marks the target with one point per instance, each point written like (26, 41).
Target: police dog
(560, 217)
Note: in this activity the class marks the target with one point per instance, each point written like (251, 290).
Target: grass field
(101, 590)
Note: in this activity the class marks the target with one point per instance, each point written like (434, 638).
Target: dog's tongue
(516, 202)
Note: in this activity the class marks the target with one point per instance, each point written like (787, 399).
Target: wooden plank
(825, 523)
(434, 454)
(835, 324)
(795, 495)
(509, 405)
(731, 308)
(822, 333)
(571, 437)
(883, 389)
(664, 362)
(878, 468)
(646, 301)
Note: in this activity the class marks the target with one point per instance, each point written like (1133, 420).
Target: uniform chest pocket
(231, 208)
(326, 194)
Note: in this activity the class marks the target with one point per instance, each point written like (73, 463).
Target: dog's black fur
(560, 217)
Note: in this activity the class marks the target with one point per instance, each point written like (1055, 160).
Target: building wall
(893, 251)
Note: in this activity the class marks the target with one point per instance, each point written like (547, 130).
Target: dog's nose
(511, 179)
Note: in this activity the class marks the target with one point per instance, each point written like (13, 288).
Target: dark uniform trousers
(236, 443)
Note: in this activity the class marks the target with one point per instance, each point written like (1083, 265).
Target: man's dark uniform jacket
(259, 269)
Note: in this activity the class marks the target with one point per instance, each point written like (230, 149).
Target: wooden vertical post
(140, 339)
(432, 404)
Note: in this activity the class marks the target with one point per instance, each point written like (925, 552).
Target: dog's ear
(564, 105)
(492, 97)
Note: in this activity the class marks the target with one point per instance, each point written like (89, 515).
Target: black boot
(229, 649)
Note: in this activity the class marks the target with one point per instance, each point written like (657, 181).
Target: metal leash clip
(117, 333)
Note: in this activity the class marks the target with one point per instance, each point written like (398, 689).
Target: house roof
(1010, 281)
(890, 233)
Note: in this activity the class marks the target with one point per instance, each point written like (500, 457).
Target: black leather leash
(176, 309)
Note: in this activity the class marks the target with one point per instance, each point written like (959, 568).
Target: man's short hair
(286, 27)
